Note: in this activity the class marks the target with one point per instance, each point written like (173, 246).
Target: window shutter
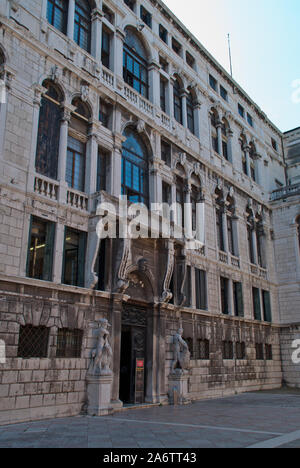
(267, 306)
(81, 258)
(48, 260)
(28, 247)
(256, 304)
(239, 300)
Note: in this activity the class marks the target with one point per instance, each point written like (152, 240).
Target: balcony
(285, 192)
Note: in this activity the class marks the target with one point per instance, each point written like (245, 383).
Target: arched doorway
(136, 340)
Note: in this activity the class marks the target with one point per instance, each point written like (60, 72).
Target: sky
(265, 46)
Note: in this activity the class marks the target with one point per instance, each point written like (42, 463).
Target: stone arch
(85, 109)
(54, 87)
(141, 37)
(140, 128)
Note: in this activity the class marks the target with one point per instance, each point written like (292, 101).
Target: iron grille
(240, 350)
(33, 342)
(227, 350)
(259, 351)
(203, 349)
(269, 352)
(69, 343)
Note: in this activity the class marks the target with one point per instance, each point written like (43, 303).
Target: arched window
(135, 179)
(77, 139)
(225, 129)
(252, 154)
(83, 24)
(135, 66)
(177, 101)
(190, 112)
(57, 14)
(49, 131)
(214, 131)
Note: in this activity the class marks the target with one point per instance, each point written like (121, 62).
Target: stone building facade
(110, 98)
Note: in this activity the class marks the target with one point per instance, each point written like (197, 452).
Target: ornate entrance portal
(133, 355)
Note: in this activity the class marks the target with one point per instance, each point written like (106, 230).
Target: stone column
(44, 9)
(184, 108)
(219, 132)
(118, 55)
(38, 91)
(188, 226)
(71, 19)
(58, 252)
(197, 119)
(62, 153)
(96, 42)
(116, 167)
(154, 84)
(200, 216)
(91, 163)
(254, 246)
(170, 92)
(229, 146)
(225, 230)
(116, 320)
(4, 90)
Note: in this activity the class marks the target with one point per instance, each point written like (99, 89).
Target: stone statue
(102, 354)
(182, 355)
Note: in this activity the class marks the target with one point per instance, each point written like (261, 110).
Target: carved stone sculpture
(181, 362)
(102, 354)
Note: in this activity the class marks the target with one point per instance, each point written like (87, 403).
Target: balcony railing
(285, 192)
(223, 257)
(77, 200)
(46, 187)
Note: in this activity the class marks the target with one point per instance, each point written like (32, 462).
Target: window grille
(33, 342)
(269, 352)
(203, 349)
(69, 343)
(227, 350)
(240, 350)
(259, 351)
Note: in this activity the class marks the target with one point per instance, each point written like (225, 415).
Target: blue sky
(265, 42)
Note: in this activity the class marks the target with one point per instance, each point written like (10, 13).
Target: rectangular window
(274, 144)
(130, 4)
(201, 289)
(101, 264)
(69, 343)
(108, 14)
(163, 33)
(224, 295)
(105, 52)
(163, 95)
(146, 17)
(256, 303)
(190, 344)
(213, 83)
(230, 235)
(101, 170)
(223, 93)
(105, 111)
(240, 350)
(227, 350)
(238, 299)
(75, 172)
(41, 246)
(57, 14)
(74, 257)
(190, 60)
(259, 347)
(166, 152)
(176, 46)
(241, 111)
(267, 306)
(188, 287)
(33, 342)
(250, 120)
(202, 350)
(220, 232)
(269, 352)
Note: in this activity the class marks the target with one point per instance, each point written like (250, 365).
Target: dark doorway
(133, 356)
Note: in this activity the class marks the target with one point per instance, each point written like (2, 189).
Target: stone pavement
(262, 419)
